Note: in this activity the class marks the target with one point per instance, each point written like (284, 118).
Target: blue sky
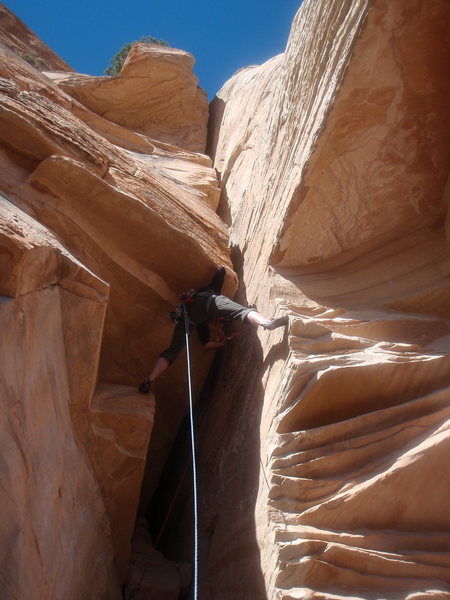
(223, 35)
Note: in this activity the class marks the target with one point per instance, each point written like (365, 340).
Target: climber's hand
(145, 386)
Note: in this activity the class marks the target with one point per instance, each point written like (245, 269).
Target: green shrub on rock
(36, 61)
(117, 61)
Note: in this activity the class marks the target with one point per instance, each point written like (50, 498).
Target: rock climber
(207, 310)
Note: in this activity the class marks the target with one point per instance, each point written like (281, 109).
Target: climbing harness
(194, 462)
(178, 315)
(188, 297)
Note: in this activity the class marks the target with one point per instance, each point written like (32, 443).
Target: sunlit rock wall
(155, 93)
(16, 36)
(332, 479)
(53, 518)
(101, 228)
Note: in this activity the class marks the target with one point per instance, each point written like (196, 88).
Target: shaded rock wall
(334, 167)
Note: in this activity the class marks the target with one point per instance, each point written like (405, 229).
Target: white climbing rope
(194, 462)
(138, 587)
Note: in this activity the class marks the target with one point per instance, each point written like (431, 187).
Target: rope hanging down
(136, 591)
(194, 462)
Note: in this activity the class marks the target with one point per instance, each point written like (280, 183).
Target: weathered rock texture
(151, 575)
(155, 93)
(334, 161)
(323, 450)
(101, 229)
(51, 502)
(16, 36)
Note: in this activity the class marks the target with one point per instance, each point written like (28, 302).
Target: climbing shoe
(145, 386)
(275, 323)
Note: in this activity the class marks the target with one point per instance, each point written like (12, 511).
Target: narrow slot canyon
(320, 181)
(227, 415)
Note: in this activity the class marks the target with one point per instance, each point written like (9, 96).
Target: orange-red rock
(337, 151)
(121, 423)
(155, 93)
(51, 502)
(322, 453)
(102, 228)
(21, 40)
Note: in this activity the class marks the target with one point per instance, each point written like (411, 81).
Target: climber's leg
(257, 318)
(224, 308)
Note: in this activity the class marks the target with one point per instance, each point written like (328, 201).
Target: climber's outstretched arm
(160, 366)
(166, 358)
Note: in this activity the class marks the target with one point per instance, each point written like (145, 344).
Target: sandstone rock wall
(334, 164)
(101, 228)
(51, 501)
(15, 35)
(322, 451)
(155, 93)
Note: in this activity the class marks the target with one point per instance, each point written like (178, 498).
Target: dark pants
(224, 308)
(205, 308)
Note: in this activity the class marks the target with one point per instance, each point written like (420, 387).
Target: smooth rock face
(51, 502)
(155, 93)
(337, 433)
(385, 142)
(121, 422)
(100, 229)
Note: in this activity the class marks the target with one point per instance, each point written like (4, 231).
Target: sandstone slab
(103, 227)
(17, 36)
(121, 423)
(52, 504)
(155, 93)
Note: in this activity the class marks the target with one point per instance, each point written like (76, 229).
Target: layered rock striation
(155, 93)
(101, 228)
(334, 164)
(20, 39)
(322, 449)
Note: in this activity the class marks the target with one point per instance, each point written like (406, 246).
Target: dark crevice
(227, 414)
(175, 488)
